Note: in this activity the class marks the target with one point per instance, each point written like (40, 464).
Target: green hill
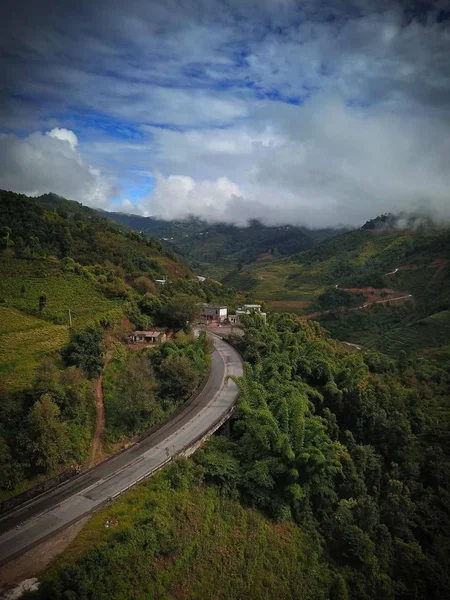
(356, 258)
(72, 286)
(59, 250)
(54, 226)
(215, 249)
(378, 261)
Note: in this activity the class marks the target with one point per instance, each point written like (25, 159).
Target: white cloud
(64, 134)
(319, 164)
(43, 163)
(207, 88)
(178, 196)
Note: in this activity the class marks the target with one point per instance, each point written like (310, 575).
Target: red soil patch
(289, 304)
(264, 258)
(374, 294)
(312, 315)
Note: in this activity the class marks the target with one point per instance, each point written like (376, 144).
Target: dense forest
(142, 388)
(346, 453)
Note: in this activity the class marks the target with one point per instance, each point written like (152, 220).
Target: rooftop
(152, 333)
(206, 305)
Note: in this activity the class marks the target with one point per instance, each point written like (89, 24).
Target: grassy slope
(294, 283)
(179, 539)
(27, 336)
(64, 291)
(423, 328)
(92, 239)
(24, 341)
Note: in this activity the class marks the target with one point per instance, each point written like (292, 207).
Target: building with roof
(148, 337)
(247, 309)
(214, 313)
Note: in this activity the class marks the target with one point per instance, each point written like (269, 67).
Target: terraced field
(431, 334)
(26, 334)
(24, 341)
(22, 282)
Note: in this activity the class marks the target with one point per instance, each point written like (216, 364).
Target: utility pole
(70, 318)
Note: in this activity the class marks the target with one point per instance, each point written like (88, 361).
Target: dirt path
(97, 454)
(441, 265)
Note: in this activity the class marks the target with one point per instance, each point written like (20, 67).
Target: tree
(181, 309)
(42, 302)
(135, 403)
(139, 320)
(144, 285)
(150, 305)
(48, 441)
(5, 233)
(46, 380)
(179, 378)
(8, 470)
(84, 351)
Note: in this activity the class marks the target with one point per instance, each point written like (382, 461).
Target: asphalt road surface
(51, 512)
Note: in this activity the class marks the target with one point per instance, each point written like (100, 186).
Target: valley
(337, 446)
(225, 300)
(291, 268)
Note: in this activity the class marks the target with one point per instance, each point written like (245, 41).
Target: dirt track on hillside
(97, 454)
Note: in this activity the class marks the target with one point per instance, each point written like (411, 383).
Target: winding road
(44, 516)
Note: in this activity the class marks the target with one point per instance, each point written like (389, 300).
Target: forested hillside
(72, 286)
(215, 249)
(67, 229)
(334, 483)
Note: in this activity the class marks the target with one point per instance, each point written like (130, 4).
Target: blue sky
(311, 112)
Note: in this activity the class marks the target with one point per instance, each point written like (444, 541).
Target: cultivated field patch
(21, 348)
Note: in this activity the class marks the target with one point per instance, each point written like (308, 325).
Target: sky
(309, 112)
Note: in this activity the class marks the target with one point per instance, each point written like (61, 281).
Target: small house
(148, 337)
(214, 313)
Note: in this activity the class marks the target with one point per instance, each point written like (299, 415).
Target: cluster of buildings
(218, 314)
(212, 314)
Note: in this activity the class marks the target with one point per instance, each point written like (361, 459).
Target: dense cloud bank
(304, 112)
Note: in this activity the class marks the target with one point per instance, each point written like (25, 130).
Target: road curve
(51, 512)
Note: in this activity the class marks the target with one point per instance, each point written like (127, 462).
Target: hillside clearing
(21, 348)
(22, 283)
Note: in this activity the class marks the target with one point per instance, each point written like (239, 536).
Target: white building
(215, 313)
